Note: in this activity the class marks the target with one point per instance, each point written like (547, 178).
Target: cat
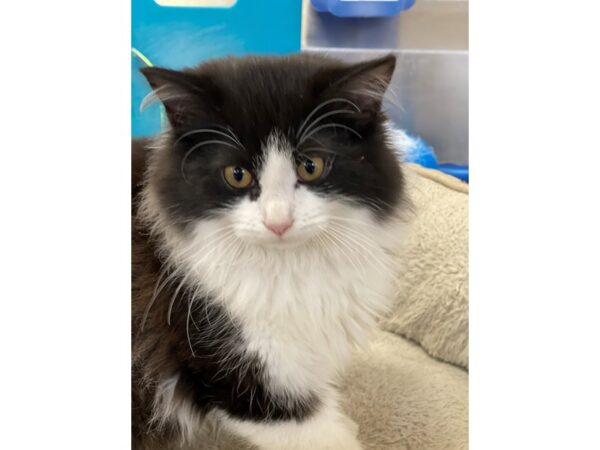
(263, 224)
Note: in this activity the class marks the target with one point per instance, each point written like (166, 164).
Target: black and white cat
(262, 230)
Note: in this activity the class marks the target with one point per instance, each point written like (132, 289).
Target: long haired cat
(262, 226)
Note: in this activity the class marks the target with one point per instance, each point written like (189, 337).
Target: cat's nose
(279, 228)
(277, 215)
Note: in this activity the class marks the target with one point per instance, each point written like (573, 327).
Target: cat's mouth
(291, 239)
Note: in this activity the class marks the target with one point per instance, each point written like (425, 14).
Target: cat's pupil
(310, 166)
(238, 173)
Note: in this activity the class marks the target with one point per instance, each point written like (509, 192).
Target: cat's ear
(364, 83)
(185, 96)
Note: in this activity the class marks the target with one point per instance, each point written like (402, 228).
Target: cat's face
(275, 152)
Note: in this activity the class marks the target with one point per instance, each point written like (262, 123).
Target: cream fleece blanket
(401, 397)
(432, 303)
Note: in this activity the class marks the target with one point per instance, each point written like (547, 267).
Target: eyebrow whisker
(197, 146)
(330, 125)
(320, 106)
(323, 116)
(229, 135)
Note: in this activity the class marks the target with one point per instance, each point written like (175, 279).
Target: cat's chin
(286, 242)
(283, 244)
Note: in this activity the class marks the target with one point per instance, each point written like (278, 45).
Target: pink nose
(279, 228)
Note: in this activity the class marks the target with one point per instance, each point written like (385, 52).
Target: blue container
(182, 36)
(456, 170)
(362, 8)
(420, 152)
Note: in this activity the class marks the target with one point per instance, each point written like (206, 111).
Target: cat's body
(248, 298)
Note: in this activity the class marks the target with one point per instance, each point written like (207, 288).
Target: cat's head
(275, 152)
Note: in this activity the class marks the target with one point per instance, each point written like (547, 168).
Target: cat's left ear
(364, 83)
(185, 96)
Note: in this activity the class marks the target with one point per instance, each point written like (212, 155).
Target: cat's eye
(311, 169)
(237, 177)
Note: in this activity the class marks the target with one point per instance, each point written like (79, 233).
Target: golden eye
(311, 169)
(237, 177)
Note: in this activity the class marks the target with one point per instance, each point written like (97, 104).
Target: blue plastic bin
(362, 8)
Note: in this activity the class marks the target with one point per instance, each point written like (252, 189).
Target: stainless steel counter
(429, 92)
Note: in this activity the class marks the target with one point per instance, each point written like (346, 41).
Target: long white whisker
(356, 239)
(157, 290)
(220, 234)
(172, 303)
(210, 130)
(323, 116)
(329, 125)
(236, 247)
(233, 135)
(320, 106)
(227, 237)
(366, 224)
(195, 147)
(153, 298)
(337, 242)
(187, 326)
(154, 97)
(305, 151)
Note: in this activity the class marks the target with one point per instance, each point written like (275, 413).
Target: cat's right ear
(185, 96)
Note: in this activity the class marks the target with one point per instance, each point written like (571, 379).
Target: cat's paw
(347, 443)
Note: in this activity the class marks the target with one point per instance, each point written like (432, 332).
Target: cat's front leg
(328, 428)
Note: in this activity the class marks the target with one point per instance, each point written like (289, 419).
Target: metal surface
(428, 95)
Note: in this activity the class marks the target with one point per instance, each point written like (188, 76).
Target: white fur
(328, 429)
(167, 407)
(398, 140)
(277, 182)
(303, 300)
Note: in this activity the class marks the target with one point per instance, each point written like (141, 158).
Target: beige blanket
(432, 304)
(401, 397)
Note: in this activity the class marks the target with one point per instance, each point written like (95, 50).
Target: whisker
(166, 94)
(225, 237)
(157, 290)
(208, 130)
(160, 284)
(364, 243)
(233, 135)
(197, 146)
(320, 150)
(330, 125)
(323, 116)
(320, 106)
(354, 220)
(153, 298)
(172, 303)
(187, 326)
(333, 239)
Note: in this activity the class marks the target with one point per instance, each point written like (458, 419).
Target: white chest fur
(301, 310)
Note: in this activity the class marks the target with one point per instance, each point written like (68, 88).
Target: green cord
(143, 57)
